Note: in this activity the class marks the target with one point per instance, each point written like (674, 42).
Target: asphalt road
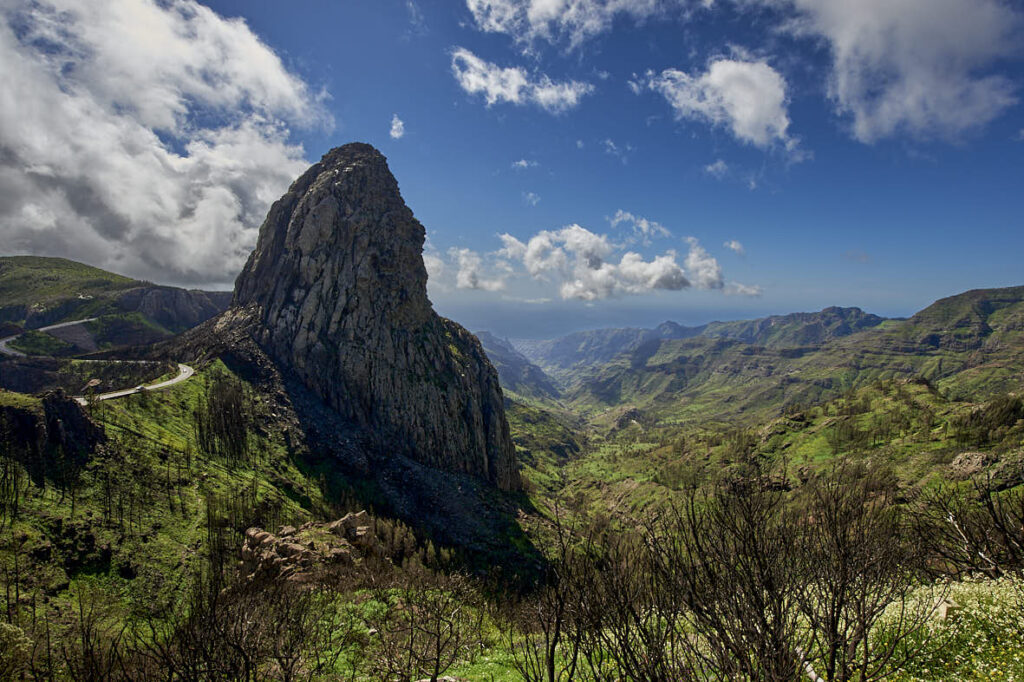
(18, 354)
(184, 371)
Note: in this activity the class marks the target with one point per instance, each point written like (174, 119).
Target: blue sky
(861, 153)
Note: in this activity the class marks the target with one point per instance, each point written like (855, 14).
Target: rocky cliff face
(336, 292)
(174, 308)
(49, 435)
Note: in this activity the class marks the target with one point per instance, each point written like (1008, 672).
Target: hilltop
(37, 292)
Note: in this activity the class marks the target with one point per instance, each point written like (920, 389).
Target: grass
(20, 401)
(136, 516)
(983, 639)
(37, 281)
(40, 343)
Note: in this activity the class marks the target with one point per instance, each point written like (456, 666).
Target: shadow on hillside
(451, 509)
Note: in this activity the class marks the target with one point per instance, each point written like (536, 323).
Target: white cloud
(719, 169)
(434, 263)
(514, 85)
(571, 21)
(702, 268)
(588, 266)
(737, 289)
(643, 229)
(397, 128)
(747, 97)
(522, 164)
(512, 248)
(734, 245)
(531, 198)
(148, 138)
(417, 24)
(469, 274)
(924, 67)
(620, 152)
(580, 263)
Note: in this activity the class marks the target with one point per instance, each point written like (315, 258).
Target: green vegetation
(709, 509)
(33, 280)
(125, 329)
(37, 292)
(41, 343)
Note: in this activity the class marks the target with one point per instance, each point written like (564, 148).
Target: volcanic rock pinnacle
(339, 289)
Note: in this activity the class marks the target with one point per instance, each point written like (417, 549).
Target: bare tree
(425, 623)
(865, 600)
(632, 619)
(542, 631)
(979, 530)
(730, 558)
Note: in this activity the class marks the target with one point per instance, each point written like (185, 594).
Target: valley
(340, 484)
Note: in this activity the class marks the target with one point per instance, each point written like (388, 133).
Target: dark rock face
(336, 292)
(50, 439)
(174, 308)
(515, 372)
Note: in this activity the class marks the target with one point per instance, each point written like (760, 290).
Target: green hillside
(39, 282)
(969, 346)
(123, 547)
(796, 329)
(37, 292)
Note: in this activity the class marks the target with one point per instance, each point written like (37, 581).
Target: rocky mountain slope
(585, 349)
(796, 329)
(588, 348)
(969, 345)
(515, 372)
(37, 291)
(335, 294)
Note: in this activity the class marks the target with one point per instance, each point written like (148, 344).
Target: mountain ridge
(36, 291)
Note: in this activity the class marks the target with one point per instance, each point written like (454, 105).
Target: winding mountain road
(184, 371)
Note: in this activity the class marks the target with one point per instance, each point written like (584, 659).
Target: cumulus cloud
(469, 271)
(643, 229)
(522, 164)
(148, 138)
(397, 128)
(925, 67)
(581, 263)
(702, 267)
(514, 85)
(735, 246)
(434, 263)
(570, 21)
(531, 198)
(584, 265)
(747, 97)
(719, 169)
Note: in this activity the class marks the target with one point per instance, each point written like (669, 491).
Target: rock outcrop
(49, 435)
(296, 554)
(174, 308)
(336, 293)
